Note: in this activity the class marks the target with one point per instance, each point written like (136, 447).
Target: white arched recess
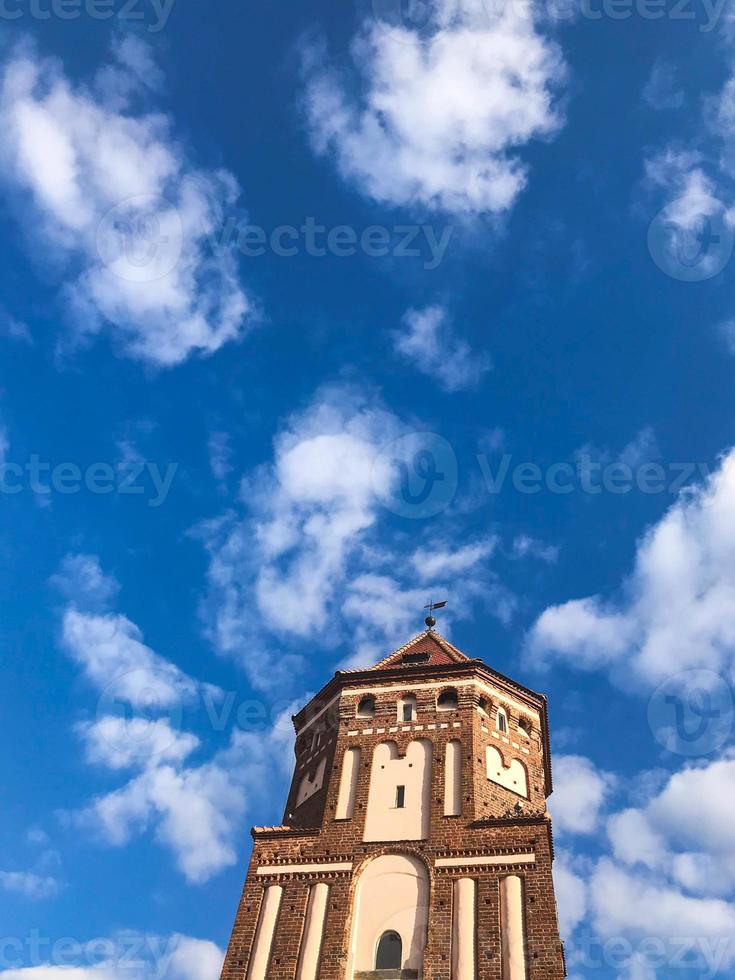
(512, 777)
(453, 779)
(348, 784)
(394, 813)
(392, 895)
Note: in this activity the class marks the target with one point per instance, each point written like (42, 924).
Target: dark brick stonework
(495, 822)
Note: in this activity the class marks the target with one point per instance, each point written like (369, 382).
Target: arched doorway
(390, 917)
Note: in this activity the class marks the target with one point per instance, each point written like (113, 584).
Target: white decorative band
(302, 869)
(476, 862)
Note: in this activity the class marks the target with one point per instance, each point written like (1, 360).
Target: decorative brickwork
(503, 830)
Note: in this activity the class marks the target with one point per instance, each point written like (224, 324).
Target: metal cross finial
(430, 621)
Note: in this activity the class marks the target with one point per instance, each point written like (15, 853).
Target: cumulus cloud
(636, 905)
(439, 121)
(119, 210)
(674, 611)
(427, 341)
(685, 830)
(571, 895)
(110, 648)
(306, 513)
(580, 792)
(196, 811)
(312, 553)
(118, 742)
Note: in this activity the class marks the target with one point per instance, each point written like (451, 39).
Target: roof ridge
(448, 647)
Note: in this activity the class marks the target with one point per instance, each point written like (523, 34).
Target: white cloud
(727, 332)
(132, 956)
(118, 208)
(685, 831)
(441, 560)
(281, 567)
(110, 650)
(119, 743)
(197, 811)
(674, 610)
(428, 342)
(220, 455)
(525, 546)
(109, 647)
(81, 580)
(643, 448)
(13, 328)
(439, 121)
(632, 904)
(29, 884)
(580, 791)
(571, 895)
(314, 554)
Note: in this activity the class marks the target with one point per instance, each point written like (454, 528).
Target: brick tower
(416, 842)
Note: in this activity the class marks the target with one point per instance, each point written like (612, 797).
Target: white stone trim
(302, 869)
(487, 860)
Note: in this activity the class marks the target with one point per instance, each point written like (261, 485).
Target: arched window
(501, 720)
(484, 705)
(525, 727)
(447, 700)
(389, 955)
(407, 708)
(366, 708)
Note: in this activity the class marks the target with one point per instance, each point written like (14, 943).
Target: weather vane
(430, 621)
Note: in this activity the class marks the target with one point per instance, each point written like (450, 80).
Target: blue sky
(308, 315)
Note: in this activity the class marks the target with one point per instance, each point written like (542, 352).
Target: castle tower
(416, 842)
